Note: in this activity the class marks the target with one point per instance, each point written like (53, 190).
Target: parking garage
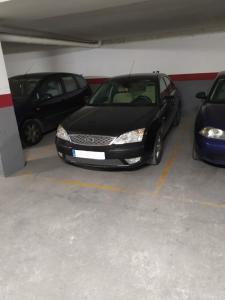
(75, 232)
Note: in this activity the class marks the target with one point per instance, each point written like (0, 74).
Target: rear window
(23, 87)
(82, 82)
(70, 84)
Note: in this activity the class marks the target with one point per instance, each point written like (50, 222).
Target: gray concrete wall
(188, 90)
(11, 152)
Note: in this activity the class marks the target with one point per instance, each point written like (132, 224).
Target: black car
(123, 125)
(43, 100)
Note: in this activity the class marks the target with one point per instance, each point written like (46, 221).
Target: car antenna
(132, 67)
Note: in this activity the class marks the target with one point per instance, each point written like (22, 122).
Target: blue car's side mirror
(201, 95)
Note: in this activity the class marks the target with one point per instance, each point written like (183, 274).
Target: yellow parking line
(92, 185)
(209, 204)
(165, 172)
(115, 189)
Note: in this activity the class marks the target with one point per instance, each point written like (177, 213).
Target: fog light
(60, 154)
(132, 161)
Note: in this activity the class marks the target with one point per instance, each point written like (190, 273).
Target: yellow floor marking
(165, 172)
(209, 204)
(140, 193)
(92, 185)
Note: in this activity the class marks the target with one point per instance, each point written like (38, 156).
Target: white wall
(193, 54)
(4, 85)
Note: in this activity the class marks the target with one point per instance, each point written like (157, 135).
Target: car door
(165, 105)
(74, 97)
(174, 102)
(47, 104)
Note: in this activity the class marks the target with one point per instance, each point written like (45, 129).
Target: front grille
(91, 140)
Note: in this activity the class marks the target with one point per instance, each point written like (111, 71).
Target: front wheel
(31, 133)
(158, 149)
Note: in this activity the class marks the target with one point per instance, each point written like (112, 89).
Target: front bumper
(210, 150)
(115, 155)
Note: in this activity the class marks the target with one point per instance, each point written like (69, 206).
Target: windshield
(218, 93)
(129, 92)
(23, 87)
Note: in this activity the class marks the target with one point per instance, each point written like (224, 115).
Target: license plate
(88, 154)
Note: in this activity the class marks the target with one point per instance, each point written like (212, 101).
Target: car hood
(111, 121)
(213, 115)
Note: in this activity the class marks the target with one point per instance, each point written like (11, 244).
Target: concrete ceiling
(110, 21)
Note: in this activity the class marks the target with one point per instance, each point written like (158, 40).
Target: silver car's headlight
(134, 136)
(62, 134)
(213, 133)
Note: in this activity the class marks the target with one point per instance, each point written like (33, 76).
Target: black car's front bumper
(116, 156)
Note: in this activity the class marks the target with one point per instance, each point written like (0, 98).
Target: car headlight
(62, 134)
(213, 133)
(134, 136)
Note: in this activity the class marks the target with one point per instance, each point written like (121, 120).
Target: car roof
(41, 75)
(154, 75)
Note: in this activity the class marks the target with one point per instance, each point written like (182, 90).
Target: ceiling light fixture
(1, 1)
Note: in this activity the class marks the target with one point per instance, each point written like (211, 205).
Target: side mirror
(44, 97)
(201, 95)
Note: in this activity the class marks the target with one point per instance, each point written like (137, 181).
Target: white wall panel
(4, 84)
(193, 54)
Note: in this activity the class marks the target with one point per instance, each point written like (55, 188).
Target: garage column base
(11, 152)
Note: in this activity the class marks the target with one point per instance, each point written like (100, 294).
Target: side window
(167, 81)
(218, 94)
(170, 85)
(70, 84)
(50, 88)
(81, 81)
(163, 88)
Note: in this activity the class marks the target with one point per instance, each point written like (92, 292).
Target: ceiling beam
(24, 39)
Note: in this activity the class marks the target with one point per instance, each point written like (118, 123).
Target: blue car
(209, 135)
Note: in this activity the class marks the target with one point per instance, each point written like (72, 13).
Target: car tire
(158, 149)
(194, 152)
(177, 118)
(31, 132)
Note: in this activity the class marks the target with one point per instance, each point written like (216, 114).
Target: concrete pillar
(11, 152)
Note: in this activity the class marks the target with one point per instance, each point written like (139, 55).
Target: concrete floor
(154, 233)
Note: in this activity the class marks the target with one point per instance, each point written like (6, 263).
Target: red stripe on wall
(6, 101)
(194, 76)
(175, 77)
(97, 80)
